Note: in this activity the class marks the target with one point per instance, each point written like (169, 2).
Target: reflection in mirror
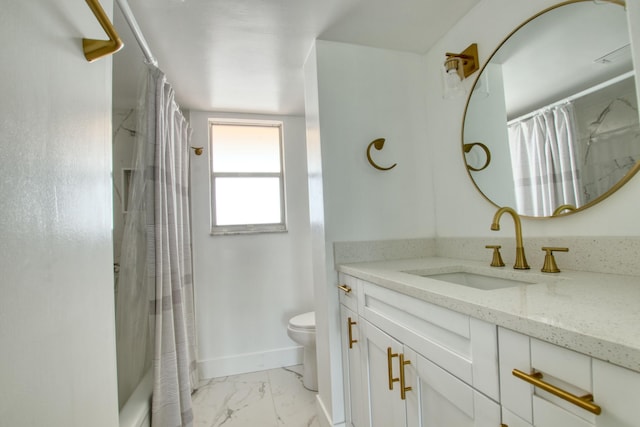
(556, 107)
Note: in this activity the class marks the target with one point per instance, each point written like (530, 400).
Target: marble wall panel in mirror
(556, 108)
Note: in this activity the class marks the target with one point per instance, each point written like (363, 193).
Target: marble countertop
(592, 313)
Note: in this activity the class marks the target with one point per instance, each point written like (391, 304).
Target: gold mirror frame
(568, 210)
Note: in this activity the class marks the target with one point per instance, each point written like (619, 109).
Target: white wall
(57, 364)
(249, 286)
(461, 211)
(354, 95)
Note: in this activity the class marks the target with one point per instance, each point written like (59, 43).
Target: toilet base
(310, 369)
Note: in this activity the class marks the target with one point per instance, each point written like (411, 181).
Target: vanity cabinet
(414, 363)
(614, 391)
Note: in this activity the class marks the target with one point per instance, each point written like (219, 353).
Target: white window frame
(247, 228)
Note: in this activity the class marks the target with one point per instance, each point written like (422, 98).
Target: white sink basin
(477, 281)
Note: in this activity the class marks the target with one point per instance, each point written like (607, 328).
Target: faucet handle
(550, 265)
(497, 258)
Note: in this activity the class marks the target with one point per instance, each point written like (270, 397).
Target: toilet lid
(304, 321)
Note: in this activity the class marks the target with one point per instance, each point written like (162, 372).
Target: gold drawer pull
(403, 389)
(351, 340)
(345, 288)
(391, 355)
(584, 402)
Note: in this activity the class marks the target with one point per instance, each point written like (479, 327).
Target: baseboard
(324, 419)
(250, 362)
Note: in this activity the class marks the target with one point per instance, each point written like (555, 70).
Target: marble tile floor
(272, 398)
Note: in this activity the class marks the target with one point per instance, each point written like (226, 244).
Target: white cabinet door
(352, 367)
(445, 400)
(617, 391)
(384, 407)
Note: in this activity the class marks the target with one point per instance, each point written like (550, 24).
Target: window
(247, 177)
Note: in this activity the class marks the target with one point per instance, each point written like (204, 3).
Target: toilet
(302, 329)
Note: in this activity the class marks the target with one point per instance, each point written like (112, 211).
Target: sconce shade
(457, 67)
(452, 78)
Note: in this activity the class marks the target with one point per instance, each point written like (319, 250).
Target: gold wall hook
(96, 49)
(377, 144)
(197, 150)
(467, 148)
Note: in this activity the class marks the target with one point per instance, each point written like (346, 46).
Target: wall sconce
(457, 67)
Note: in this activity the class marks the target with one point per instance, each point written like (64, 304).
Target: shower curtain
(545, 162)
(159, 233)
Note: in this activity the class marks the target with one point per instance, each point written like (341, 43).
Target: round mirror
(551, 125)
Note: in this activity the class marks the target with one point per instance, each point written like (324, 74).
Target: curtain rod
(135, 29)
(576, 95)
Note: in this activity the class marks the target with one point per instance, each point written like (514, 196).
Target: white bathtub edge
(137, 411)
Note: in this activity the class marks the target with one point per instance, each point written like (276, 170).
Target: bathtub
(136, 412)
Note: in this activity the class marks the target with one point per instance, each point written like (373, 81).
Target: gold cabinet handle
(351, 340)
(390, 356)
(345, 288)
(584, 402)
(403, 389)
(95, 49)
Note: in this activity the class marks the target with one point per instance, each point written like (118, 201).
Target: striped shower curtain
(169, 270)
(545, 161)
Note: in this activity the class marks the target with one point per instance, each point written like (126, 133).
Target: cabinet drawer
(463, 346)
(349, 288)
(615, 390)
(560, 367)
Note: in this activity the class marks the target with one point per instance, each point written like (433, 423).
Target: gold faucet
(521, 260)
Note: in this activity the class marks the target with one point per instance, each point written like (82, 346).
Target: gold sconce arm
(470, 62)
(96, 49)
(377, 144)
(467, 148)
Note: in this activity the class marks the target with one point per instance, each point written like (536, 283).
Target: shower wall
(124, 124)
(133, 353)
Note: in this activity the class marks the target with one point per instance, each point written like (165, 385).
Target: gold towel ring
(467, 148)
(377, 144)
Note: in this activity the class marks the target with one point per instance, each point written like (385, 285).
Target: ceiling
(246, 56)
